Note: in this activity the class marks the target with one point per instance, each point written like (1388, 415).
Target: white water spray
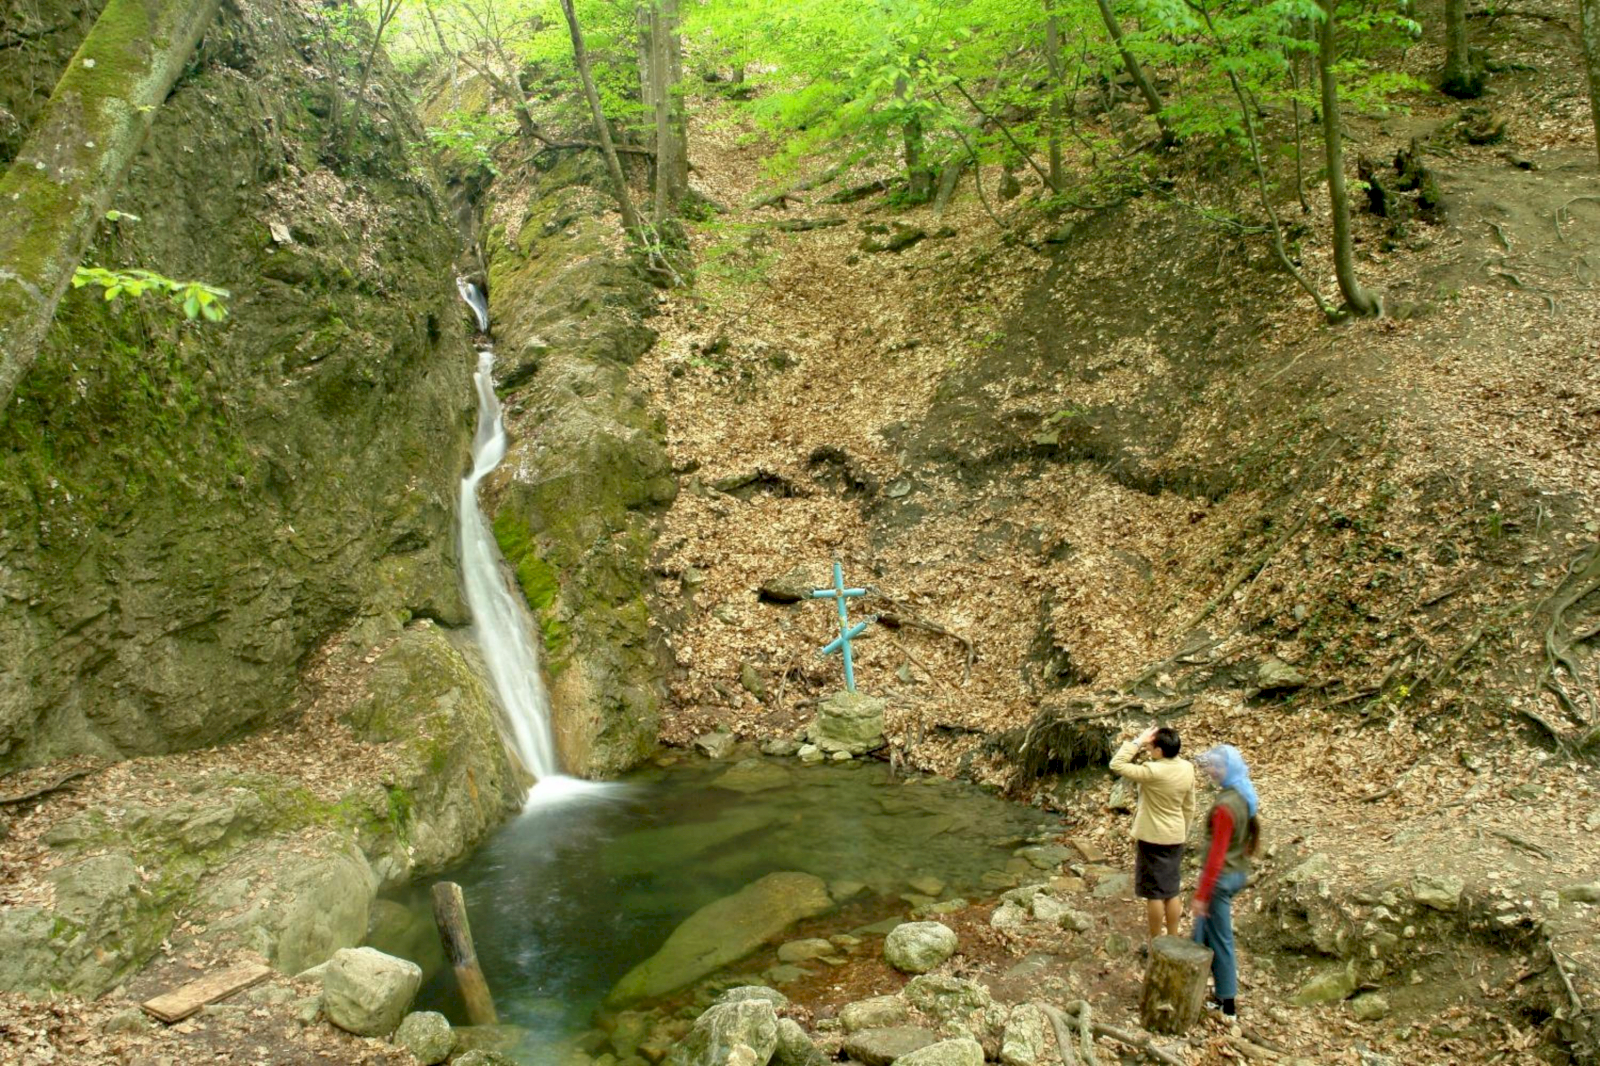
(480, 307)
(500, 620)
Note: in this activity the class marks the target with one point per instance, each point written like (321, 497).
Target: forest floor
(793, 374)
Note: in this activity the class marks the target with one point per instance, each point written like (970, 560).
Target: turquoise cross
(847, 632)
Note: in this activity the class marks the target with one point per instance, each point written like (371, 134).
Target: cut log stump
(1174, 985)
(450, 911)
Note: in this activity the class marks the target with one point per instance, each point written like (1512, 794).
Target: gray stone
(879, 1012)
(786, 973)
(781, 747)
(1114, 886)
(804, 950)
(1027, 1036)
(1275, 675)
(1585, 893)
(715, 745)
(960, 1052)
(482, 1057)
(367, 992)
(1442, 892)
(751, 993)
(880, 1047)
(1123, 796)
(1009, 916)
(794, 1046)
(132, 1020)
(1117, 944)
(792, 586)
(723, 931)
(1370, 1007)
(1025, 894)
(1090, 851)
(948, 999)
(810, 753)
(848, 721)
(917, 947)
(1330, 986)
(752, 682)
(927, 885)
(721, 1029)
(427, 1035)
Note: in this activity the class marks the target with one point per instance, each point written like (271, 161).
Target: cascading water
(500, 621)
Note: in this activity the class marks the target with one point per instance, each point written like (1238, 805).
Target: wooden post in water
(450, 912)
(1174, 985)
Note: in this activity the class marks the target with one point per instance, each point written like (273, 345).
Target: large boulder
(722, 932)
(917, 947)
(849, 722)
(367, 992)
(722, 1029)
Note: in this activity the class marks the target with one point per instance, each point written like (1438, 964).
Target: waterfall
(499, 618)
(474, 297)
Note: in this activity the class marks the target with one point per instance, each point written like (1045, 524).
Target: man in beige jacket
(1161, 824)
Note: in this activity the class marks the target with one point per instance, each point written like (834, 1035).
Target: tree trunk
(1360, 300)
(1052, 59)
(61, 183)
(919, 178)
(450, 913)
(1174, 985)
(1460, 78)
(666, 67)
(580, 56)
(1152, 98)
(1589, 21)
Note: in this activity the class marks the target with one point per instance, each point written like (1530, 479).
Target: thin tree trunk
(1459, 78)
(1152, 98)
(580, 56)
(666, 66)
(1299, 141)
(1052, 59)
(1589, 21)
(61, 183)
(918, 177)
(1360, 300)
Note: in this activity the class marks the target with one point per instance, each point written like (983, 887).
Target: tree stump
(1174, 985)
(450, 911)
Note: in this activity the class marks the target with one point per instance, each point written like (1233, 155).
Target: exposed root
(45, 790)
(1083, 1050)
(1563, 675)
(899, 615)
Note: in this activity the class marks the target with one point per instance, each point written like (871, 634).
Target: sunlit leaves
(195, 298)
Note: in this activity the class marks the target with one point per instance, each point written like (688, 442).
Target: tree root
(58, 783)
(1566, 979)
(1140, 1043)
(899, 616)
(1249, 570)
(1083, 1051)
(1582, 580)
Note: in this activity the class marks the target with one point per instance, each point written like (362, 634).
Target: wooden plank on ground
(179, 1004)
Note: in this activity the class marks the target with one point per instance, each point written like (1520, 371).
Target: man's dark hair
(1166, 739)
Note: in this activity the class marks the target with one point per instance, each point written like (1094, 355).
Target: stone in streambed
(794, 1046)
(718, 1034)
(753, 775)
(962, 1052)
(427, 1035)
(367, 992)
(917, 947)
(849, 722)
(723, 931)
(1027, 1037)
(748, 993)
(880, 1047)
(804, 950)
(879, 1012)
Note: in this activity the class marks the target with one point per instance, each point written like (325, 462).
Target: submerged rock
(722, 932)
(367, 992)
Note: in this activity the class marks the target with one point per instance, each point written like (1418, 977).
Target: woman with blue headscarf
(1232, 835)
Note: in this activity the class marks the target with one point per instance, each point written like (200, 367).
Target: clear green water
(564, 901)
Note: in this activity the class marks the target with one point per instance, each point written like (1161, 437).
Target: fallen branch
(1521, 842)
(1249, 570)
(60, 782)
(900, 617)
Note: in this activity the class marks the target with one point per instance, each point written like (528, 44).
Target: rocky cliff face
(574, 502)
(188, 509)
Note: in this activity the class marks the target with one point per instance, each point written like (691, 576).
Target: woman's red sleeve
(1221, 836)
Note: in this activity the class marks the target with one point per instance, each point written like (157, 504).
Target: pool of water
(568, 898)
